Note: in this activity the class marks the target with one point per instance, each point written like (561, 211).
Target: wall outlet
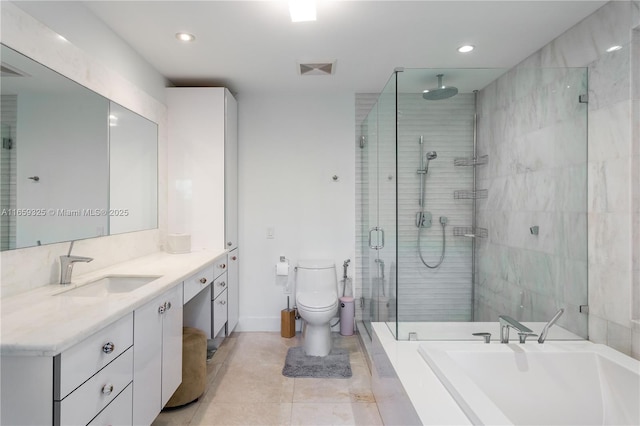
(271, 231)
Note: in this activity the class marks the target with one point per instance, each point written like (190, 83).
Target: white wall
(290, 147)
(74, 21)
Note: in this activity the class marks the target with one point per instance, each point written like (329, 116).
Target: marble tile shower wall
(613, 176)
(534, 130)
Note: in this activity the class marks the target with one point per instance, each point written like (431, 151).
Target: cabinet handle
(203, 280)
(223, 302)
(229, 243)
(164, 307)
(108, 347)
(107, 389)
(234, 258)
(222, 284)
(222, 266)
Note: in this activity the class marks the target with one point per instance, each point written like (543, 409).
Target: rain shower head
(440, 92)
(432, 155)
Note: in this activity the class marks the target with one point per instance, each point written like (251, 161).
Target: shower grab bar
(376, 229)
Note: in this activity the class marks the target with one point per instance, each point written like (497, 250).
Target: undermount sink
(110, 284)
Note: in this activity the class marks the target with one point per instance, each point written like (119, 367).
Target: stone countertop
(46, 321)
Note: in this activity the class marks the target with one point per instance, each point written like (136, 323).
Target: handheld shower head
(432, 155)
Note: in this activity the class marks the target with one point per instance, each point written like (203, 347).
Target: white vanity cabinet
(75, 386)
(157, 338)
(119, 412)
(203, 181)
(202, 127)
(231, 173)
(233, 290)
(219, 308)
(219, 297)
(90, 375)
(197, 282)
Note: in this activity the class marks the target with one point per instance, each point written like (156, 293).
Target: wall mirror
(73, 164)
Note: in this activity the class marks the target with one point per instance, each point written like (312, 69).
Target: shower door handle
(381, 231)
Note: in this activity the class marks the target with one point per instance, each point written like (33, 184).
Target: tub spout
(506, 322)
(545, 330)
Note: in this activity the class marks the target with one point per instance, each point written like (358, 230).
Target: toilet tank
(316, 275)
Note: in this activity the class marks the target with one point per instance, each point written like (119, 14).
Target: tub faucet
(506, 322)
(66, 265)
(545, 330)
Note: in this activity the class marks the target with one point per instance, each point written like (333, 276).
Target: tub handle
(487, 336)
(523, 336)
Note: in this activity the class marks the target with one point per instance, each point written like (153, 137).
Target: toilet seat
(317, 302)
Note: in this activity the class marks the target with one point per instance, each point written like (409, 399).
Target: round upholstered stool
(194, 368)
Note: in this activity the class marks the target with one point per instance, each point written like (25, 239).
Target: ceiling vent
(10, 71)
(317, 68)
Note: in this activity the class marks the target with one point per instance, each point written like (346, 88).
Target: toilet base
(316, 339)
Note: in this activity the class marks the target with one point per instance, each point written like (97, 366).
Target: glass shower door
(379, 212)
(369, 212)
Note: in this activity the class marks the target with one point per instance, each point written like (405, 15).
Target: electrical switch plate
(271, 232)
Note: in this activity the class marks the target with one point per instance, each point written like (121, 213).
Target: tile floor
(246, 387)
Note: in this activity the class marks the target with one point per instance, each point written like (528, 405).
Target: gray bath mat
(333, 366)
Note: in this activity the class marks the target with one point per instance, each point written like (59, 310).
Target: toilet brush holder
(288, 321)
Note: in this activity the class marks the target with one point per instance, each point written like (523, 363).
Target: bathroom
(293, 143)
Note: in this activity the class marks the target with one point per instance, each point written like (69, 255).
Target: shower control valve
(423, 220)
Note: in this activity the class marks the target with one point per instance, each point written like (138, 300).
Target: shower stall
(472, 198)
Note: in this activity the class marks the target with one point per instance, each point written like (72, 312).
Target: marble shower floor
(246, 387)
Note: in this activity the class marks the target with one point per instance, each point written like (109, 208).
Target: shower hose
(442, 223)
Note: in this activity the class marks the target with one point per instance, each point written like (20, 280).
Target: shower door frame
(381, 256)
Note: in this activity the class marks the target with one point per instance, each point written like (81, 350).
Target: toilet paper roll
(178, 243)
(282, 269)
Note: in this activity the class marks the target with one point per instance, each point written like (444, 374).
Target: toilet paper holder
(282, 267)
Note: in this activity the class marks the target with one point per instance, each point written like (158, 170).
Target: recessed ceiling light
(302, 10)
(185, 37)
(61, 37)
(614, 48)
(466, 48)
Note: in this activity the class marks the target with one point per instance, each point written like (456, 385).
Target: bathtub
(411, 390)
(556, 383)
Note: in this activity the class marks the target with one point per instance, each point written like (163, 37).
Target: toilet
(317, 303)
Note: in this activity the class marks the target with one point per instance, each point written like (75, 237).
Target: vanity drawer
(75, 365)
(219, 308)
(220, 266)
(82, 405)
(197, 282)
(119, 412)
(219, 284)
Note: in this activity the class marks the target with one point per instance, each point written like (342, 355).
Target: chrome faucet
(66, 265)
(545, 330)
(506, 322)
